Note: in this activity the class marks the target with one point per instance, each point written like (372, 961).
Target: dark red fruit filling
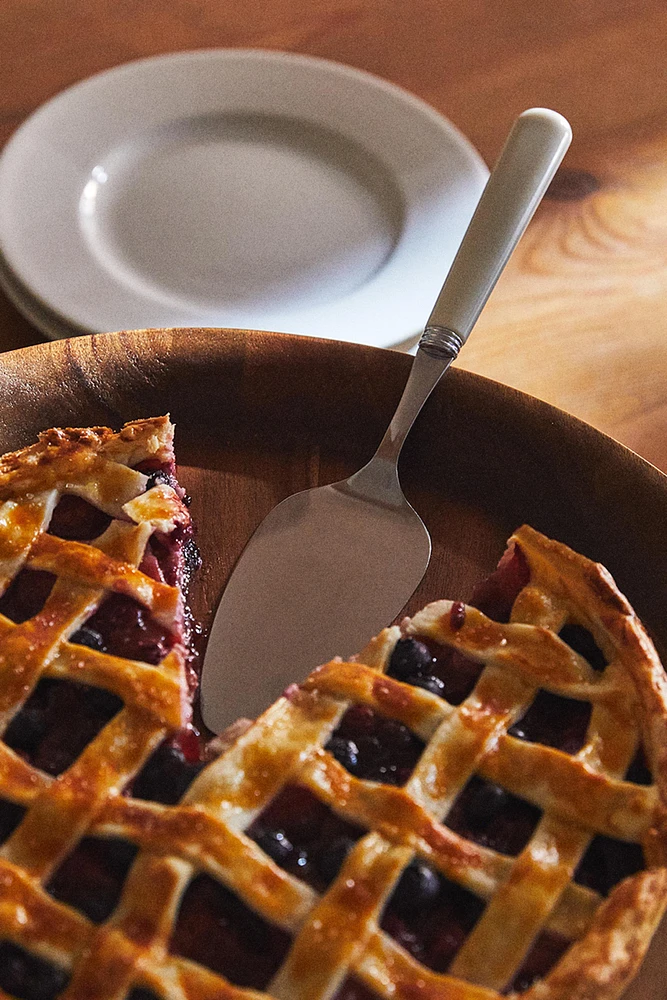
(220, 932)
(167, 774)
(547, 949)
(638, 771)
(490, 816)
(121, 626)
(429, 916)
(58, 721)
(171, 558)
(125, 628)
(176, 555)
(556, 722)
(581, 641)
(446, 671)
(496, 595)
(27, 977)
(304, 836)
(10, 817)
(607, 862)
(26, 595)
(139, 993)
(162, 472)
(435, 668)
(354, 989)
(373, 747)
(77, 520)
(91, 878)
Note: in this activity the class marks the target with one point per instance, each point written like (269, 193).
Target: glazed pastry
(474, 806)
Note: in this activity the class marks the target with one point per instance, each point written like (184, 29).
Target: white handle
(534, 149)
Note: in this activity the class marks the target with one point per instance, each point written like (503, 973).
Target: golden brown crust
(94, 463)
(580, 796)
(600, 965)
(70, 451)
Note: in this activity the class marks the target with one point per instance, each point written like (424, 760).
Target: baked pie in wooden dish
(474, 807)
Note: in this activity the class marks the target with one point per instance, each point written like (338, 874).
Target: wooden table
(580, 316)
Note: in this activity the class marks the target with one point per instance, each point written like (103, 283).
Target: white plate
(237, 188)
(38, 314)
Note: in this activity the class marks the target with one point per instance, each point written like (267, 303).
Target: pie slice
(96, 679)
(474, 807)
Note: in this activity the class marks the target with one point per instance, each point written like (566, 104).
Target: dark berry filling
(441, 670)
(373, 747)
(26, 595)
(446, 671)
(161, 472)
(456, 672)
(607, 862)
(354, 989)
(490, 816)
(496, 595)
(303, 836)
(167, 774)
(556, 722)
(27, 977)
(638, 772)
(44, 733)
(91, 878)
(429, 916)
(219, 931)
(418, 887)
(171, 558)
(120, 626)
(430, 683)
(127, 629)
(139, 993)
(77, 520)
(10, 817)
(547, 949)
(581, 641)
(410, 658)
(88, 636)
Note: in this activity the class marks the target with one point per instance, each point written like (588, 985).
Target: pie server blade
(329, 567)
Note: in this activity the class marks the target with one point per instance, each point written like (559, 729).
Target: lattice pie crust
(336, 933)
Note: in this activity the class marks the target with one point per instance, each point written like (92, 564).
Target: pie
(473, 807)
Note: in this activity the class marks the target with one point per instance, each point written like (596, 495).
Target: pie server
(329, 567)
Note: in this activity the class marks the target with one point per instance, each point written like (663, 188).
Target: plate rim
(23, 253)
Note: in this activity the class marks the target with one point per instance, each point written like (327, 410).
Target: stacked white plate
(234, 188)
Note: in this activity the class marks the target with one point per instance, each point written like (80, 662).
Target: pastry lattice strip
(92, 464)
(206, 834)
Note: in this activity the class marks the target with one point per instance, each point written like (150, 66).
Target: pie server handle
(532, 153)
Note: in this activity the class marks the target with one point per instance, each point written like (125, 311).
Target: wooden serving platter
(261, 415)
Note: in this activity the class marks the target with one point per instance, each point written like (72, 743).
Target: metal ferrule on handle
(440, 342)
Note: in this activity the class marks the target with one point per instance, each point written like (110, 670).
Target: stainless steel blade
(324, 571)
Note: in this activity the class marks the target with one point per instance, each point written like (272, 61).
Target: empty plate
(236, 188)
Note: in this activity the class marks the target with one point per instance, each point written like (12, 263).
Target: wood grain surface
(578, 318)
